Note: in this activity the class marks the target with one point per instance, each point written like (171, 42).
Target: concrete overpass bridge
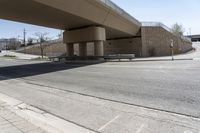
(83, 20)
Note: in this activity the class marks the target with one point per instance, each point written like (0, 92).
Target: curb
(151, 60)
(40, 118)
(196, 59)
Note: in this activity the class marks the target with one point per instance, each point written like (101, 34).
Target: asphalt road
(161, 85)
(107, 97)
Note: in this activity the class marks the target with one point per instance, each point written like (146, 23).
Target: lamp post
(172, 48)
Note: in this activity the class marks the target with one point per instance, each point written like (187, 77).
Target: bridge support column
(89, 34)
(98, 48)
(70, 49)
(83, 49)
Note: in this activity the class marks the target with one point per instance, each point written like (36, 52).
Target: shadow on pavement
(20, 71)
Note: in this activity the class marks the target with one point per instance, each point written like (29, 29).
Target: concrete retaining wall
(153, 41)
(124, 46)
(54, 49)
(156, 42)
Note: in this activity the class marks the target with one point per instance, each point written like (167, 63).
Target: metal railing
(158, 24)
(120, 11)
(186, 38)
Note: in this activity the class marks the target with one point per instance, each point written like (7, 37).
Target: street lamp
(172, 48)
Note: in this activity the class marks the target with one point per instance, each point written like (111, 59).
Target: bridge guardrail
(119, 10)
(158, 24)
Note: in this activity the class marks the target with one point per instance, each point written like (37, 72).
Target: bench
(54, 59)
(108, 57)
(119, 57)
(59, 58)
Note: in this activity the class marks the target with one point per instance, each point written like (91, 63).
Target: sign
(172, 44)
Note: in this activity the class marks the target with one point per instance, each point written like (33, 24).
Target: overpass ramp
(72, 14)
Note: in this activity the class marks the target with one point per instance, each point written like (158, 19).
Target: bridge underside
(109, 28)
(83, 20)
(38, 13)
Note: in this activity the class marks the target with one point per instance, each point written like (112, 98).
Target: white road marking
(140, 129)
(108, 123)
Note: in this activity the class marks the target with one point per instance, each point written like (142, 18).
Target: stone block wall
(153, 41)
(120, 46)
(53, 49)
(156, 42)
(124, 46)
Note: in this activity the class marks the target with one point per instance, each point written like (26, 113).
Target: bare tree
(177, 29)
(42, 38)
(30, 41)
(60, 35)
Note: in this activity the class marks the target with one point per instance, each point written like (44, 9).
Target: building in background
(195, 38)
(9, 44)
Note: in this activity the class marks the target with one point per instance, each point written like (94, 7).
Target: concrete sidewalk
(12, 123)
(19, 117)
(21, 56)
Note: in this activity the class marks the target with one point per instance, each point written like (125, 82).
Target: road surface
(166, 86)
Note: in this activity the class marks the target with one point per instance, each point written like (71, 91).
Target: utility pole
(24, 34)
(6, 44)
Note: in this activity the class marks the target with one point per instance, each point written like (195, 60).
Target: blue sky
(185, 12)
(10, 29)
